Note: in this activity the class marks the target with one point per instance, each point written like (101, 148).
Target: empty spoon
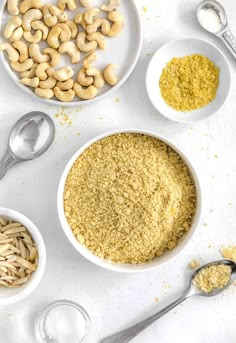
(128, 334)
(29, 138)
(212, 17)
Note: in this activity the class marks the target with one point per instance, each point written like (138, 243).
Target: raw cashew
(99, 81)
(64, 96)
(83, 78)
(64, 74)
(109, 75)
(118, 25)
(13, 54)
(23, 50)
(12, 7)
(79, 19)
(39, 25)
(10, 27)
(33, 38)
(111, 6)
(71, 49)
(61, 15)
(17, 34)
(29, 73)
(99, 23)
(73, 27)
(90, 14)
(34, 82)
(20, 67)
(90, 58)
(53, 37)
(50, 71)
(82, 45)
(85, 93)
(29, 16)
(28, 4)
(36, 55)
(49, 83)
(54, 54)
(99, 38)
(44, 93)
(65, 35)
(41, 71)
(86, 3)
(71, 4)
(48, 17)
(65, 85)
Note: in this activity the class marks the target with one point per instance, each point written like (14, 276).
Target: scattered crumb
(63, 118)
(145, 9)
(216, 156)
(213, 277)
(229, 253)
(117, 99)
(230, 204)
(205, 224)
(78, 133)
(100, 118)
(194, 264)
(209, 246)
(156, 300)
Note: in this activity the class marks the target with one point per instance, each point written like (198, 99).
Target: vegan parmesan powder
(129, 197)
(189, 83)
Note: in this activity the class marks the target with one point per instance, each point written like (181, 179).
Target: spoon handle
(7, 162)
(128, 334)
(229, 40)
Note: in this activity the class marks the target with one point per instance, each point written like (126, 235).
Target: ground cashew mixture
(189, 82)
(129, 197)
(213, 277)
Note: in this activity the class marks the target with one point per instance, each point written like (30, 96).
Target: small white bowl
(127, 268)
(12, 295)
(180, 48)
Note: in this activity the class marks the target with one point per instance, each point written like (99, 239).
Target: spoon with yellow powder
(208, 280)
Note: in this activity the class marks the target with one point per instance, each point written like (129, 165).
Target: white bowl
(180, 48)
(12, 295)
(122, 50)
(127, 268)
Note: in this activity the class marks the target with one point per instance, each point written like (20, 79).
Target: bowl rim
(110, 91)
(33, 230)
(180, 40)
(127, 268)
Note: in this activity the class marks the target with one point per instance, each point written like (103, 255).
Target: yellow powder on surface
(229, 253)
(213, 277)
(189, 82)
(129, 198)
(194, 264)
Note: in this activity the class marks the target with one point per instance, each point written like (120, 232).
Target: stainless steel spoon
(128, 334)
(30, 137)
(224, 32)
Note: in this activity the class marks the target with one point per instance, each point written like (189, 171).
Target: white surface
(180, 48)
(12, 295)
(128, 268)
(124, 58)
(117, 300)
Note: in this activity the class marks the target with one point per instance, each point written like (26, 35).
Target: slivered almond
(14, 230)
(24, 263)
(10, 226)
(20, 281)
(22, 249)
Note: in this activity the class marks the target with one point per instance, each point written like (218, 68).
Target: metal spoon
(30, 137)
(128, 334)
(224, 33)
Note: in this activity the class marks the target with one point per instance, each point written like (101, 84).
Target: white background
(115, 301)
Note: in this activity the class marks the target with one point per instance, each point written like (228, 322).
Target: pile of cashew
(34, 21)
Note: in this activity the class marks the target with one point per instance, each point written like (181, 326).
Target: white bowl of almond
(22, 256)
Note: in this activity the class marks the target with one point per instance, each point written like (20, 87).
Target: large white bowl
(122, 50)
(180, 48)
(12, 295)
(128, 268)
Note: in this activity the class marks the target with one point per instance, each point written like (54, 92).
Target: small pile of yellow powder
(194, 264)
(212, 278)
(189, 82)
(229, 253)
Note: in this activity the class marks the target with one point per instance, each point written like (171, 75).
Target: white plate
(180, 48)
(122, 50)
(128, 268)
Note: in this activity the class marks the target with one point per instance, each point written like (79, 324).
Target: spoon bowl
(217, 8)
(30, 137)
